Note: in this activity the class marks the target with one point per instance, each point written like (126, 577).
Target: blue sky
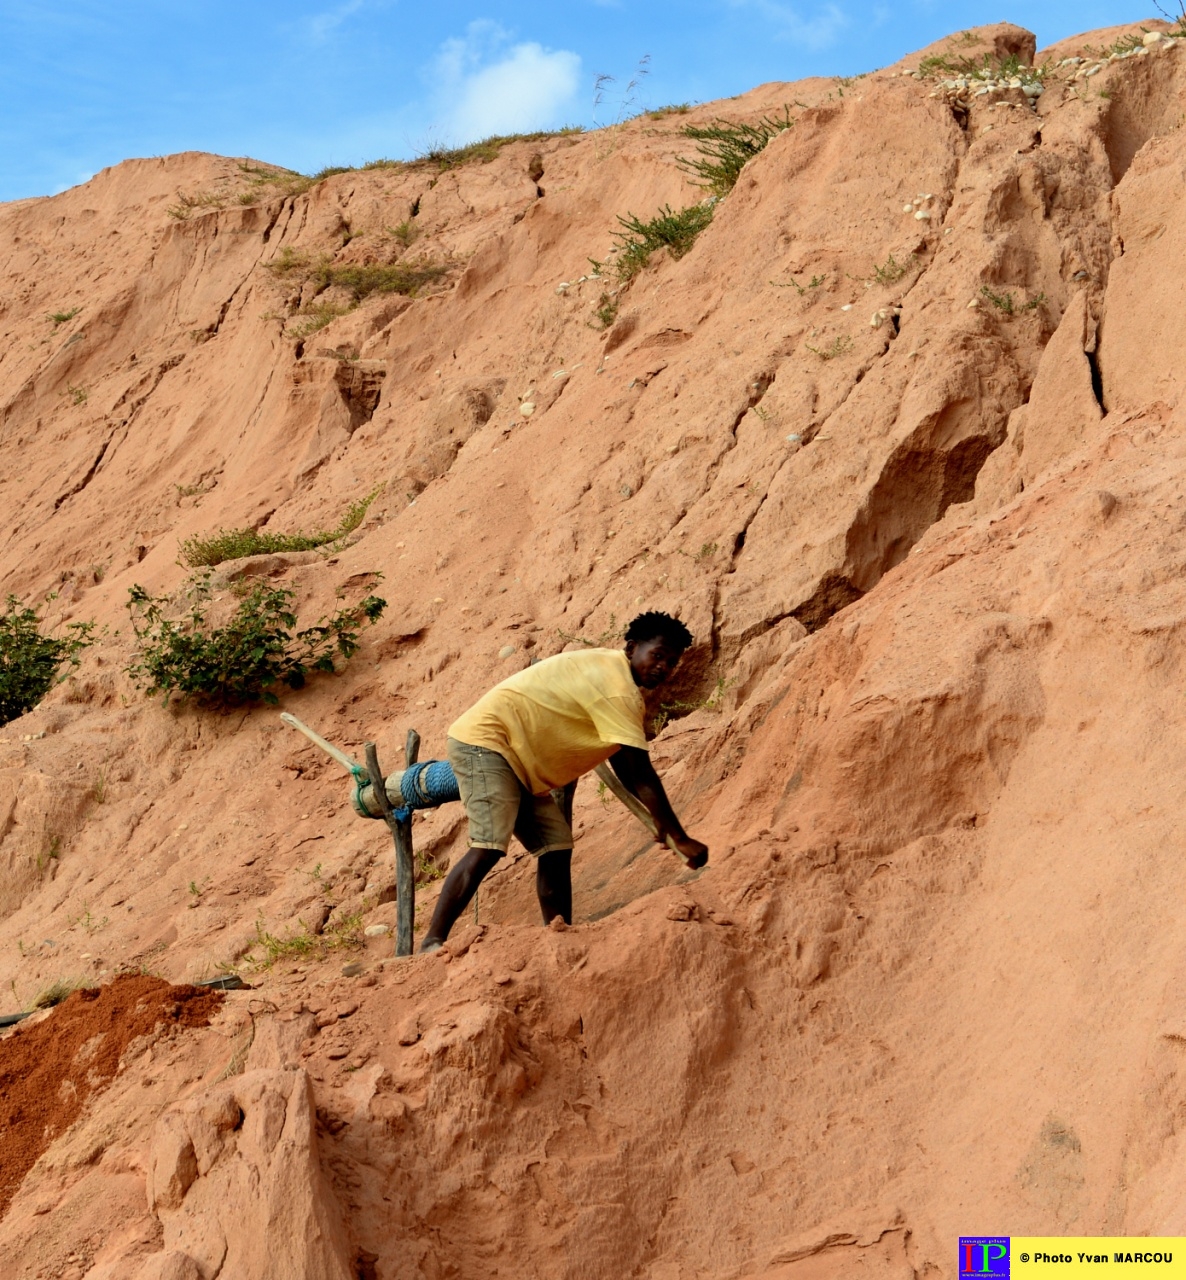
(307, 83)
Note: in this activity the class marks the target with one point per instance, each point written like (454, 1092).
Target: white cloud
(484, 87)
(320, 26)
(816, 32)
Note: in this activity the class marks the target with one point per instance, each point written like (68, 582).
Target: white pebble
(877, 320)
(527, 408)
(1091, 71)
(507, 651)
(1151, 37)
(907, 208)
(377, 930)
(922, 216)
(794, 438)
(974, 303)
(847, 307)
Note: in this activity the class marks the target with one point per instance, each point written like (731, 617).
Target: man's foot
(430, 945)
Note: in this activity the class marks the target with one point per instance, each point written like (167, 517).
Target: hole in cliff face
(914, 490)
(1097, 381)
(361, 387)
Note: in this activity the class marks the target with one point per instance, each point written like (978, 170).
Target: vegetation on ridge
(233, 544)
(30, 662)
(246, 659)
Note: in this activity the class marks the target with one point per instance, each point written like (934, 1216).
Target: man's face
(652, 661)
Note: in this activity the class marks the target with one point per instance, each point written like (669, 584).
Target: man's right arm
(633, 766)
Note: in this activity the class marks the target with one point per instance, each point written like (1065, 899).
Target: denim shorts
(498, 805)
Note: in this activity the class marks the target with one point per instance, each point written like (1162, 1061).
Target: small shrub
(243, 661)
(893, 271)
(362, 281)
(837, 347)
(1002, 301)
(606, 310)
(792, 283)
(405, 232)
(314, 318)
(674, 231)
(233, 544)
(60, 317)
(673, 109)
(30, 662)
(725, 149)
(78, 395)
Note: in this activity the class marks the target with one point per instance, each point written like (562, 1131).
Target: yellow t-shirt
(559, 718)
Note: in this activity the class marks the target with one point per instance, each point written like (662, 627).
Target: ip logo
(984, 1256)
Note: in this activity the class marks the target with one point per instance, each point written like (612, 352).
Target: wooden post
(405, 873)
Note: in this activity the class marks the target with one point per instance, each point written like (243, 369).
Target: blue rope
(423, 786)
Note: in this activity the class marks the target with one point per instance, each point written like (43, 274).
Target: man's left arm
(633, 766)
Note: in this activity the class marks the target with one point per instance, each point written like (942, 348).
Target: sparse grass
(247, 658)
(673, 109)
(837, 347)
(486, 149)
(191, 490)
(233, 544)
(606, 311)
(30, 661)
(405, 232)
(99, 789)
(792, 283)
(56, 992)
(725, 149)
(343, 934)
(675, 231)
(985, 68)
(1002, 301)
(52, 854)
(87, 921)
(892, 271)
(60, 317)
(360, 279)
(78, 395)
(676, 708)
(611, 635)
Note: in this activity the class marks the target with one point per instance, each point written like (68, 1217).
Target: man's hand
(693, 851)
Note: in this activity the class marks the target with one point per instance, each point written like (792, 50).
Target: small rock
(345, 1010)
(1108, 502)
(794, 438)
(847, 307)
(907, 208)
(502, 979)
(974, 303)
(877, 320)
(351, 970)
(558, 925)
(409, 1032)
(527, 408)
(326, 1019)
(922, 215)
(377, 930)
(1151, 37)
(338, 1051)
(438, 599)
(507, 651)
(682, 912)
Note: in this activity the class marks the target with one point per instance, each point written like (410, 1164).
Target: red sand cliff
(931, 980)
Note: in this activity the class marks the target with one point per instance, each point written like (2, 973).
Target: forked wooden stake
(405, 871)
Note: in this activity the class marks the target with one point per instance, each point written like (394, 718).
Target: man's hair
(659, 626)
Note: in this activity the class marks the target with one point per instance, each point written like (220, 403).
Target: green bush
(726, 148)
(30, 662)
(674, 231)
(243, 661)
(232, 544)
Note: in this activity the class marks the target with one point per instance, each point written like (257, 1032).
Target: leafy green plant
(247, 658)
(1002, 301)
(800, 289)
(725, 149)
(405, 232)
(606, 311)
(675, 231)
(60, 317)
(892, 271)
(31, 662)
(232, 544)
(837, 347)
(610, 635)
(78, 395)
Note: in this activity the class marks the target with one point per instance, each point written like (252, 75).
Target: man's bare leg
(553, 885)
(460, 886)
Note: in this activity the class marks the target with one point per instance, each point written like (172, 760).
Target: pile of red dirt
(50, 1069)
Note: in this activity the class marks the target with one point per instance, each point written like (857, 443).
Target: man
(540, 730)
